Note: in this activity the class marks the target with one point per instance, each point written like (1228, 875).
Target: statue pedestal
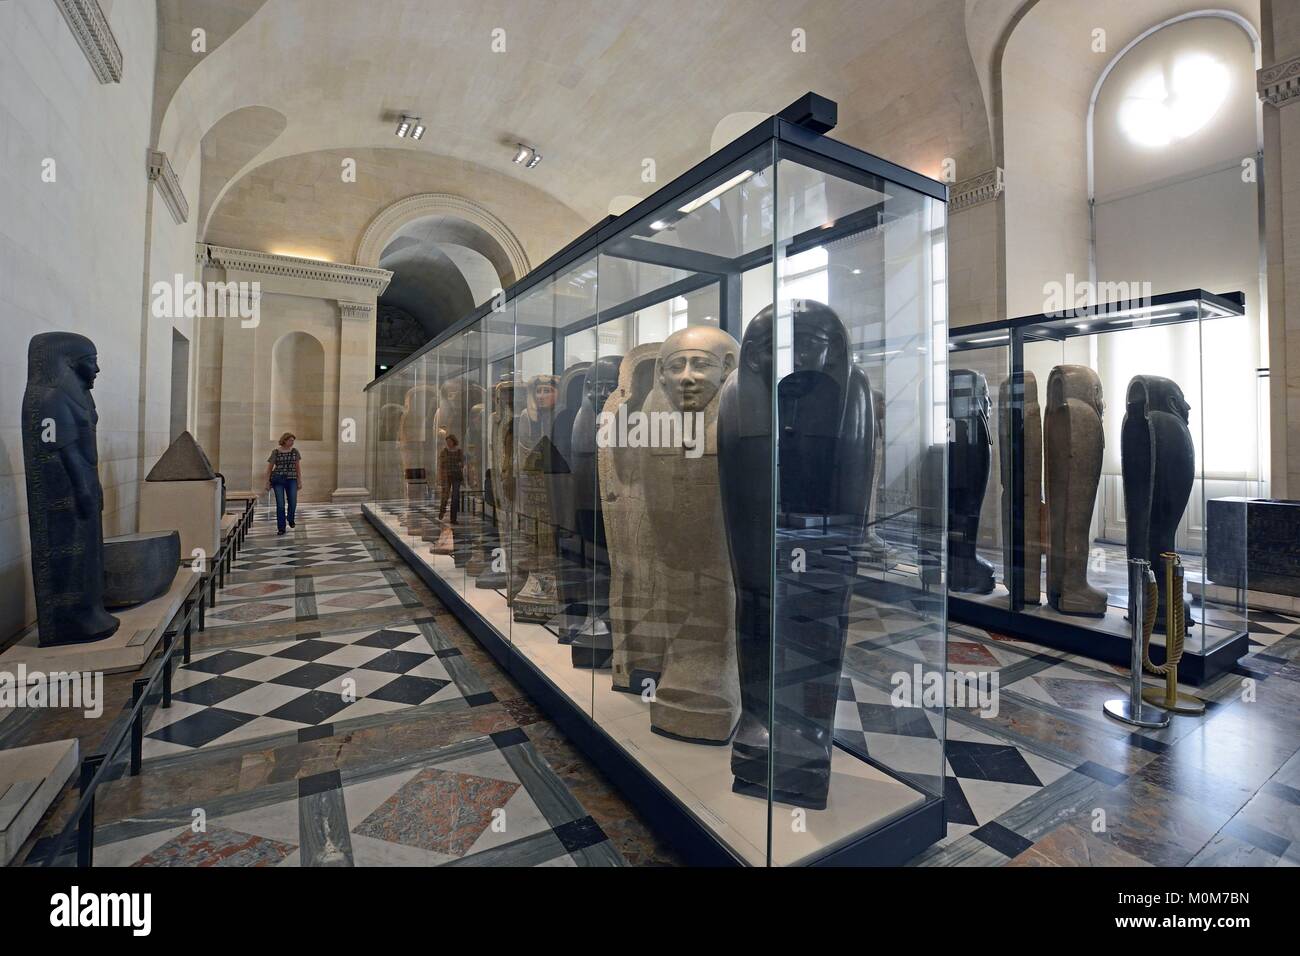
(191, 507)
(30, 780)
(140, 631)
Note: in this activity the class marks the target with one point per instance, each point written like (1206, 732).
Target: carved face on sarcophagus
(693, 364)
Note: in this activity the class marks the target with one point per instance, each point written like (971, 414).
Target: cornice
(90, 28)
(977, 190)
(164, 177)
(1279, 84)
(291, 267)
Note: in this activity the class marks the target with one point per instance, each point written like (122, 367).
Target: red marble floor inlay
(959, 652)
(217, 847)
(438, 810)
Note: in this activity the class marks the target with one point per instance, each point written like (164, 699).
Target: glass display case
(703, 494)
(1084, 438)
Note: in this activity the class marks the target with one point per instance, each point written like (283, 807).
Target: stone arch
(390, 221)
(1234, 18)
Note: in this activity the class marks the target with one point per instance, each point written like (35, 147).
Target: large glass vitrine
(711, 478)
(1089, 436)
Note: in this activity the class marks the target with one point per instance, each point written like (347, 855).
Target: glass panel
(1139, 459)
(624, 521)
(859, 312)
(675, 292)
(985, 413)
(550, 589)
(493, 578)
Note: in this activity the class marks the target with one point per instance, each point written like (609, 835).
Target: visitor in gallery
(284, 474)
(451, 472)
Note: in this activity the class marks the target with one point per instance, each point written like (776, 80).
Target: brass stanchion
(1141, 619)
(1169, 698)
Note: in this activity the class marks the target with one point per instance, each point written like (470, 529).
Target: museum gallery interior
(537, 434)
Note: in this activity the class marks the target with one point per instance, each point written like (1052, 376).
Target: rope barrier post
(1168, 698)
(1131, 710)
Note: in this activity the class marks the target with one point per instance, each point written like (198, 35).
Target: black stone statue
(592, 642)
(824, 459)
(1158, 462)
(970, 456)
(65, 502)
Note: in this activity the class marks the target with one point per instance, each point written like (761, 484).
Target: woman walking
(451, 472)
(284, 474)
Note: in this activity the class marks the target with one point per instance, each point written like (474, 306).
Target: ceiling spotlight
(526, 156)
(405, 124)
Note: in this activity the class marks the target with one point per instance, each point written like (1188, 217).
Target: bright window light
(1170, 103)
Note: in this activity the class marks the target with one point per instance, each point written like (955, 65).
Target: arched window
(298, 399)
(1174, 136)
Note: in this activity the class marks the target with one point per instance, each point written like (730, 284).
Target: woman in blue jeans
(284, 474)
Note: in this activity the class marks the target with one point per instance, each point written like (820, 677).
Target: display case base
(634, 759)
(1092, 638)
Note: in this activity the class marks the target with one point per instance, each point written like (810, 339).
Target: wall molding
(357, 311)
(292, 267)
(986, 187)
(385, 225)
(1279, 84)
(164, 177)
(90, 28)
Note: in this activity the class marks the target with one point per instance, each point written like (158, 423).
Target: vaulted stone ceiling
(597, 85)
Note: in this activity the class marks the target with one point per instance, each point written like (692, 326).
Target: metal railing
(145, 691)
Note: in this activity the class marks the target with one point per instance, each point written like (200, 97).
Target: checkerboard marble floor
(333, 714)
(1022, 781)
(261, 690)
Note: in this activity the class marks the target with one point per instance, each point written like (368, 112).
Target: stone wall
(72, 253)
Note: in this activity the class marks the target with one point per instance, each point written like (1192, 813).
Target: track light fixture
(526, 156)
(411, 125)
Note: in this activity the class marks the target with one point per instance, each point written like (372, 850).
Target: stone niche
(182, 492)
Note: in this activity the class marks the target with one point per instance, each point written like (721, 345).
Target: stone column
(1279, 88)
(356, 369)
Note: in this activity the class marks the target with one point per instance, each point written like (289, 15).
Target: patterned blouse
(284, 464)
